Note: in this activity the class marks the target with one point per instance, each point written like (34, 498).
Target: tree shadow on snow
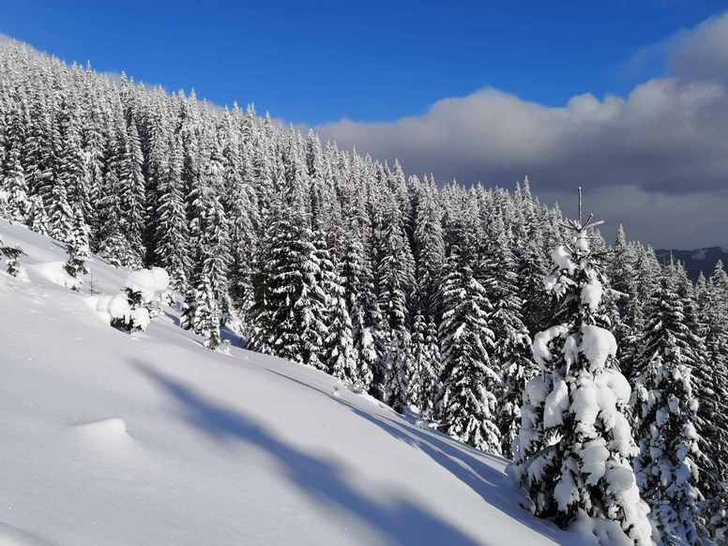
(398, 520)
(460, 460)
(174, 319)
(234, 339)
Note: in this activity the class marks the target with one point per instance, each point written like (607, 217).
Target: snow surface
(151, 439)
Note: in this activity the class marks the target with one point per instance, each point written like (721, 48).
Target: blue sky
(317, 62)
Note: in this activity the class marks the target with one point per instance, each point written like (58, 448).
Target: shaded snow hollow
(151, 439)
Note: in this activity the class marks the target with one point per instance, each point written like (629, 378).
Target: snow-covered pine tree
(395, 284)
(15, 186)
(171, 231)
(341, 355)
(77, 247)
(241, 206)
(713, 305)
(511, 353)
(532, 268)
(425, 366)
(623, 283)
(575, 446)
(289, 304)
(429, 249)
(467, 406)
(666, 412)
(205, 298)
(355, 275)
(70, 168)
(110, 240)
(333, 310)
(12, 172)
(707, 381)
(37, 217)
(132, 188)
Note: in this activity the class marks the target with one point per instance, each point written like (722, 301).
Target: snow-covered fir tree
(666, 410)
(171, 235)
(77, 247)
(290, 304)
(206, 296)
(467, 406)
(511, 352)
(576, 445)
(425, 367)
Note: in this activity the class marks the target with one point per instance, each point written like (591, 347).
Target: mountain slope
(695, 261)
(150, 439)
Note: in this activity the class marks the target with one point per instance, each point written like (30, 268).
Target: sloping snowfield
(150, 439)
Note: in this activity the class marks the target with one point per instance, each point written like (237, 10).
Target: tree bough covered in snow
(576, 445)
(666, 410)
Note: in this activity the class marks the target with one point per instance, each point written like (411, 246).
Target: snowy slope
(151, 439)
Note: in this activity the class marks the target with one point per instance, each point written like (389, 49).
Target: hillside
(695, 261)
(152, 439)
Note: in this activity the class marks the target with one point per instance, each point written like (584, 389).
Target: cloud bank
(656, 159)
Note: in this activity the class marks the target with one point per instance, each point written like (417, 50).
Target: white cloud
(702, 53)
(665, 144)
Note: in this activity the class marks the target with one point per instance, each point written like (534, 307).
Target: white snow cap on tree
(150, 283)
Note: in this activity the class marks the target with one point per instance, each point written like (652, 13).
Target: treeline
(427, 296)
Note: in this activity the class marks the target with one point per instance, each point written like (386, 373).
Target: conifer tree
(37, 217)
(132, 189)
(341, 358)
(289, 301)
(77, 246)
(61, 215)
(205, 299)
(358, 293)
(666, 409)
(467, 405)
(423, 385)
(395, 282)
(706, 382)
(576, 445)
(15, 187)
(713, 303)
(429, 250)
(171, 231)
(70, 168)
(511, 353)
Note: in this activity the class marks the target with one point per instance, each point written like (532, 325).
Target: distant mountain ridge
(695, 261)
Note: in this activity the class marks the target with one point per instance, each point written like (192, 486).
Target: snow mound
(110, 307)
(56, 273)
(600, 532)
(107, 433)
